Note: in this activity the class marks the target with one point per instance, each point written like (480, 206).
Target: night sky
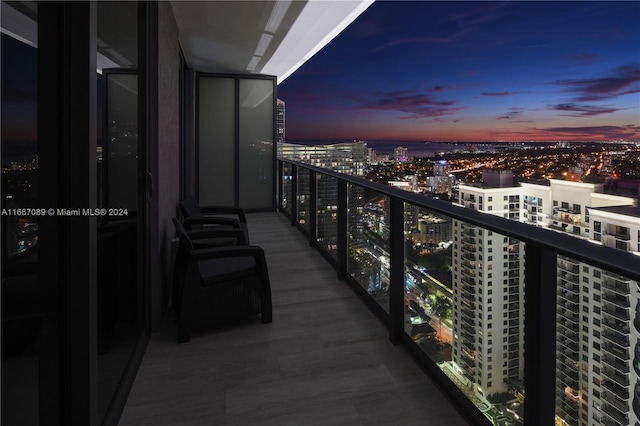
(473, 71)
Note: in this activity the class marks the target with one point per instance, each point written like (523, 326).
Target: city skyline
(474, 71)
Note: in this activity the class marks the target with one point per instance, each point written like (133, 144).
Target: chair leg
(267, 312)
(183, 334)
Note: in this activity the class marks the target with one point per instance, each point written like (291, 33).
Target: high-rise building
(488, 325)
(280, 122)
(442, 180)
(347, 158)
(598, 317)
(598, 350)
(400, 154)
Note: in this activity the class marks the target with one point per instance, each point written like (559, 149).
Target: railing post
(540, 336)
(396, 286)
(294, 195)
(342, 229)
(313, 208)
(280, 184)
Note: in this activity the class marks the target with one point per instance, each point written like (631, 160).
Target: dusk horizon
(474, 71)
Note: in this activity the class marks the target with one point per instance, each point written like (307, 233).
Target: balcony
(324, 354)
(616, 389)
(617, 299)
(620, 340)
(617, 326)
(616, 312)
(616, 363)
(305, 345)
(619, 418)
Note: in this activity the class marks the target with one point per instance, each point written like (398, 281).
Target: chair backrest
(185, 241)
(190, 207)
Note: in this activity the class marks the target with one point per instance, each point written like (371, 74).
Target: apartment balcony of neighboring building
(620, 341)
(467, 231)
(568, 411)
(621, 380)
(468, 264)
(468, 256)
(565, 333)
(569, 370)
(567, 217)
(468, 320)
(468, 299)
(616, 241)
(568, 277)
(467, 287)
(567, 324)
(568, 265)
(617, 362)
(617, 397)
(469, 336)
(469, 364)
(568, 314)
(617, 326)
(468, 248)
(613, 400)
(468, 272)
(616, 298)
(617, 351)
(566, 378)
(514, 264)
(568, 304)
(569, 347)
(563, 294)
(615, 284)
(614, 311)
(620, 418)
(469, 240)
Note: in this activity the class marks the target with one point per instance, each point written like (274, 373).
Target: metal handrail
(607, 258)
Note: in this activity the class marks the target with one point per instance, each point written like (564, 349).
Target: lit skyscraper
(400, 154)
(598, 313)
(280, 122)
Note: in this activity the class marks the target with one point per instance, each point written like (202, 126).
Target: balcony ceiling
(265, 37)
(272, 37)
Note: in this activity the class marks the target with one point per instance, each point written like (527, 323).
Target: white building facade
(598, 313)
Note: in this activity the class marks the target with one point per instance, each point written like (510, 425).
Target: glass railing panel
(327, 213)
(598, 336)
(302, 198)
(368, 240)
(464, 308)
(285, 192)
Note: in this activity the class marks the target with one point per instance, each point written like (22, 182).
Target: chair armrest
(227, 251)
(224, 210)
(198, 234)
(210, 220)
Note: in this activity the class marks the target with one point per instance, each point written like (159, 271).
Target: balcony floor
(325, 359)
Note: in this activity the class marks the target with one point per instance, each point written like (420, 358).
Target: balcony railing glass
(327, 213)
(368, 242)
(455, 297)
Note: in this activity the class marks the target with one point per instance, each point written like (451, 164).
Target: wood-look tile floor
(325, 359)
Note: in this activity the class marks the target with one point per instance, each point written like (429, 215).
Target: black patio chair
(195, 216)
(219, 284)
